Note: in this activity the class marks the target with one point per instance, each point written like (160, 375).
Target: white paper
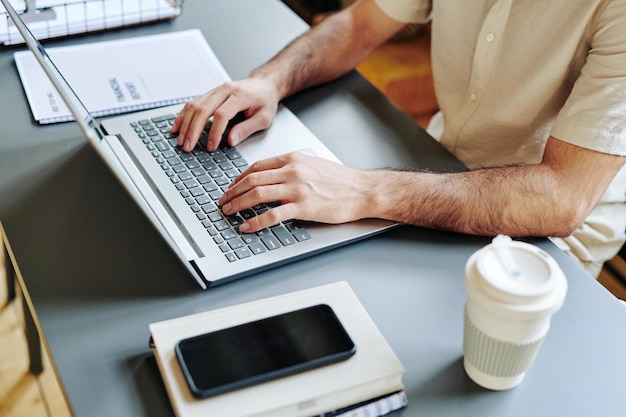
(124, 75)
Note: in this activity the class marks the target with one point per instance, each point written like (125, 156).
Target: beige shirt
(510, 73)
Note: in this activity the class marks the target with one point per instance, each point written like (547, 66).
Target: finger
(176, 126)
(268, 164)
(197, 123)
(251, 193)
(222, 116)
(178, 121)
(259, 174)
(269, 218)
(242, 130)
(193, 118)
(184, 121)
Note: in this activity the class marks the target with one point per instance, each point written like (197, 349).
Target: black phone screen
(262, 350)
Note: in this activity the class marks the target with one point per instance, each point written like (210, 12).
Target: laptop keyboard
(201, 177)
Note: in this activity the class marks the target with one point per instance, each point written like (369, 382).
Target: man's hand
(254, 96)
(309, 188)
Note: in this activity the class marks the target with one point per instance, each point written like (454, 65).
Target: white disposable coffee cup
(513, 289)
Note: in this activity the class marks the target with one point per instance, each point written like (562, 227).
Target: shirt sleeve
(594, 114)
(407, 11)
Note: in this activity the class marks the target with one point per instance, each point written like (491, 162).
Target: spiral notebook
(124, 75)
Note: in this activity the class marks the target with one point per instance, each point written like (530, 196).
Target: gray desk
(97, 274)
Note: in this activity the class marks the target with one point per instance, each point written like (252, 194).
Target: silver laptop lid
(92, 130)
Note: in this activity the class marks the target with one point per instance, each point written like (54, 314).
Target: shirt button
(490, 37)
(473, 97)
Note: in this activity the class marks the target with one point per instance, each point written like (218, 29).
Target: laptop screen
(87, 123)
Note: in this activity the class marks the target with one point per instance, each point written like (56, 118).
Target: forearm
(329, 49)
(517, 201)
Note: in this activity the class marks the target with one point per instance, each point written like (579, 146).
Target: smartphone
(263, 350)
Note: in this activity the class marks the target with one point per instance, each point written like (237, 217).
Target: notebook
(207, 242)
(121, 72)
(374, 371)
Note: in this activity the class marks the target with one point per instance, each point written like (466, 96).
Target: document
(55, 18)
(125, 75)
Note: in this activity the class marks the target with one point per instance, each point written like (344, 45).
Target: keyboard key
(247, 214)
(235, 243)
(163, 118)
(283, 235)
(174, 161)
(243, 253)
(203, 199)
(249, 238)
(270, 242)
(229, 234)
(215, 195)
(216, 217)
(235, 220)
(208, 187)
(185, 176)
(191, 183)
(209, 208)
(221, 225)
(301, 235)
(257, 248)
(204, 179)
(233, 154)
(292, 226)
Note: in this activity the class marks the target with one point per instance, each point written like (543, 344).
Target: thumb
(243, 130)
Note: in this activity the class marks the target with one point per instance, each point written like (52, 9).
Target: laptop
(178, 191)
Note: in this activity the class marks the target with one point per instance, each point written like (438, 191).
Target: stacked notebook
(369, 383)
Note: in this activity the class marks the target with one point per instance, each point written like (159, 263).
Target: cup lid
(517, 269)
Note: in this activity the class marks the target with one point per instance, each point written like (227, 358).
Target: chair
(12, 275)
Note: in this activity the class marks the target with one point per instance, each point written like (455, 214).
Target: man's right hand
(255, 97)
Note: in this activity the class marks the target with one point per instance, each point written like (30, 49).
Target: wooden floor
(23, 394)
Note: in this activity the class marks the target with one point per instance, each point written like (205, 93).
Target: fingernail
(236, 139)
(244, 227)
(226, 208)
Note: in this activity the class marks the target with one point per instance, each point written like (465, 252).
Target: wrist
(272, 81)
(375, 188)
